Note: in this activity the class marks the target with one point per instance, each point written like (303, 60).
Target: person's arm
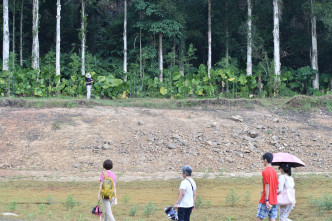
(182, 192)
(194, 198)
(281, 183)
(101, 183)
(268, 205)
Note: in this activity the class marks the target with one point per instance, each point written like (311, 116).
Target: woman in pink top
(108, 165)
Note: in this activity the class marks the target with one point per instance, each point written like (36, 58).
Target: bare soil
(143, 142)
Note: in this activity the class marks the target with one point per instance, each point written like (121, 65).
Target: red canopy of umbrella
(292, 160)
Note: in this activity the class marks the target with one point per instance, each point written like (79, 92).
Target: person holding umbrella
(286, 192)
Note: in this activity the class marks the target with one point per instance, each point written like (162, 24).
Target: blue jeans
(184, 213)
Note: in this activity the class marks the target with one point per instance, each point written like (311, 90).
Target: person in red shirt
(268, 202)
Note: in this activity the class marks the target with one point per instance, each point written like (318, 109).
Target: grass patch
(148, 197)
(306, 103)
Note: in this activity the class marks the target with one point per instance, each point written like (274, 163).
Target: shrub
(126, 198)
(232, 199)
(198, 202)
(133, 211)
(12, 206)
(70, 202)
(322, 204)
(149, 209)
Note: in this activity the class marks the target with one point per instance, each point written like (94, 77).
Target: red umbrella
(292, 160)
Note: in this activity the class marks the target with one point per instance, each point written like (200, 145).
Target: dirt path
(153, 141)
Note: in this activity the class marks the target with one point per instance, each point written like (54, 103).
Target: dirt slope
(159, 140)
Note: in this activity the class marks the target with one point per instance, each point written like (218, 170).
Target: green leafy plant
(149, 209)
(322, 204)
(232, 199)
(126, 198)
(198, 202)
(133, 210)
(70, 202)
(12, 206)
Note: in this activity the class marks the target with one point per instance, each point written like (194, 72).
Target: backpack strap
(105, 175)
(191, 185)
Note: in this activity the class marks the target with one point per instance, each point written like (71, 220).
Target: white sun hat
(88, 75)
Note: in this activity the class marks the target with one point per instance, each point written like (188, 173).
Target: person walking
(286, 182)
(187, 195)
(107, 174)
(268, 202)
(88, 83)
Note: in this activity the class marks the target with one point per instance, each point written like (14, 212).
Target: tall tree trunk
(174, 52)
(227, 34)
(125, 41)
(5, 45)
(83, 25)
(58, 40)
(249, 43)
(35, 41)
(209, 39)
(140, 54)
(14, 12)
(181, 54)
(140, 50)
(314, 54)
(277, 65)
(161, 62)
(21, 35)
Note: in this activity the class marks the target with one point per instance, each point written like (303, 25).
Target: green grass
(38, 200)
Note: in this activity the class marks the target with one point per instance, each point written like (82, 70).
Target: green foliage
(70, 202)
(232, 199)
(133, 210)
(12, 206)
(149, 209)
(198, 202)
(322, 204)
(126, 199)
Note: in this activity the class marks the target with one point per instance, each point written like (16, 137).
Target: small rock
(276, 120)
(172, 146)
(229, 160)
(140, 123)
(275, 138)
(214, 124)
(151, 139)
(251, 147)
(77, 165)
(105, 146)
(253, 134)
(237, 118)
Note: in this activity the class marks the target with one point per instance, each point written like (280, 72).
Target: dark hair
(286, 168)
(108, 165)
(187, 170)
(268, 157)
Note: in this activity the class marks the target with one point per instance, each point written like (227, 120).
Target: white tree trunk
(14, 12)
(5, 46)
(58, 40)
(209, 39)
(140, 55)
(249, 43)
(161, 62)
(21, 35)
(276, 37)
(35, 39)
(314, 54)
(227, 34)
(125, 41)
(83, 38)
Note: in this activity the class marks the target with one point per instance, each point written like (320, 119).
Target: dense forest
(166, 48)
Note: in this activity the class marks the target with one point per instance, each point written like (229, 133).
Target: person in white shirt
(187, 195)
(286, 182)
